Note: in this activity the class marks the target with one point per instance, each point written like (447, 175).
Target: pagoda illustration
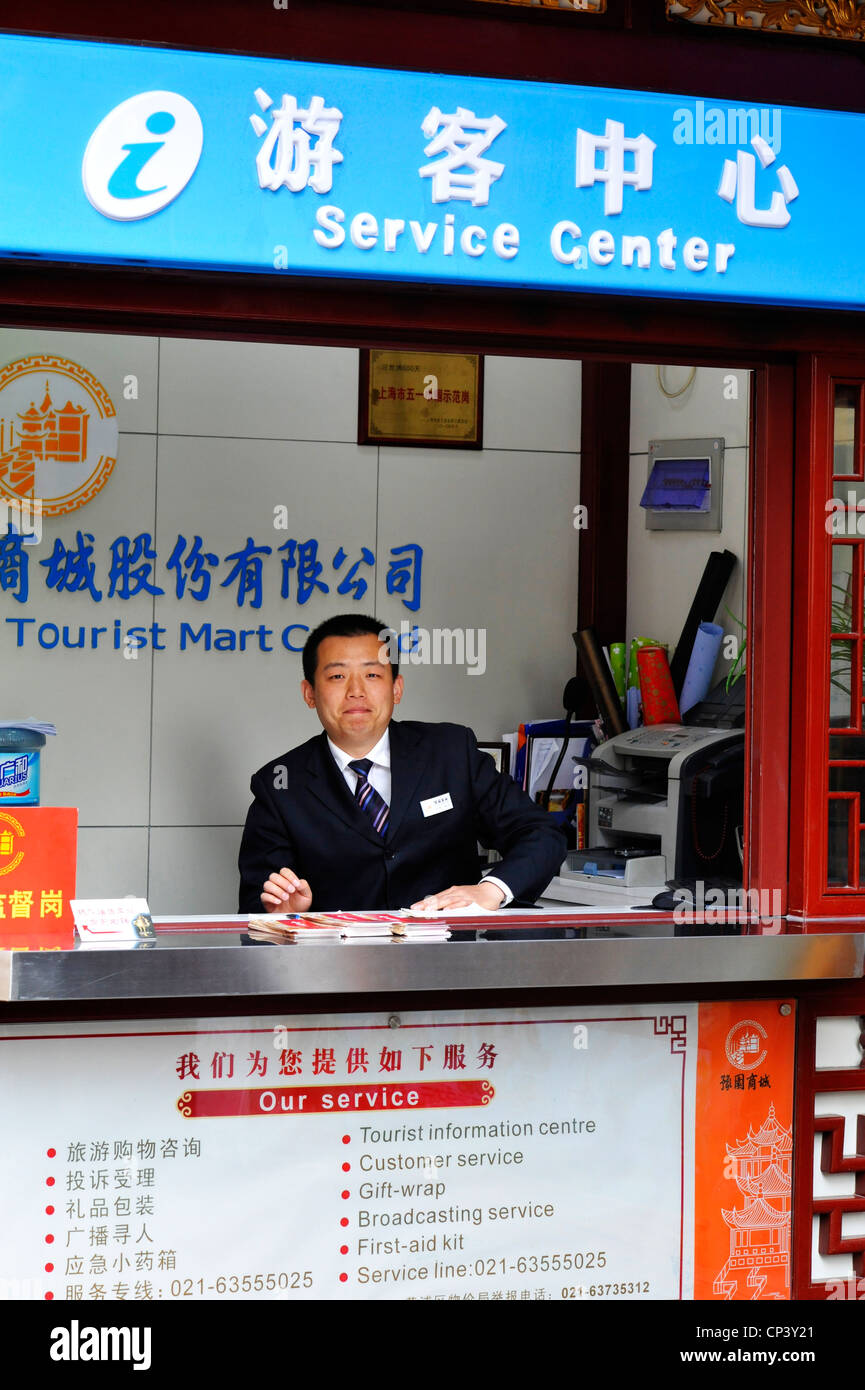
(41, 433)
(758, 1263)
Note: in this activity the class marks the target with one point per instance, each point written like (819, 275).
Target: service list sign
(514, 1154)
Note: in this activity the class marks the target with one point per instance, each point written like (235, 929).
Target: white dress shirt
(379, 773)
(379, 777)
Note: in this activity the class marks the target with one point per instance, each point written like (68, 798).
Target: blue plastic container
(19, 767)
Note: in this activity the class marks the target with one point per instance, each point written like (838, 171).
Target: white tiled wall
(112, 860)
(282, 391)
(100, 701)
(157, 751)
(531, 404)
(506, 520)
(221, 714)
(665, 567)
(110, 357)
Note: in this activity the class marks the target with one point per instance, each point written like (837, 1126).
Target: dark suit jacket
(304, 818)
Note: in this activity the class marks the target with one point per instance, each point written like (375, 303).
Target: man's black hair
(343, 625)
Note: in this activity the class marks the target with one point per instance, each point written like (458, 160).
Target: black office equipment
(721, 709)
(710, 591)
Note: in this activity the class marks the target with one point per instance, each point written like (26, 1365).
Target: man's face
(354, 691)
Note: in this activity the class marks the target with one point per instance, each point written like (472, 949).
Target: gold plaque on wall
(426, 399)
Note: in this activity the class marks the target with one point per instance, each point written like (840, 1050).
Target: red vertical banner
(744, 1150)
(38, 855)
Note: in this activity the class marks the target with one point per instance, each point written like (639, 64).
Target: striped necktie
(367, 797)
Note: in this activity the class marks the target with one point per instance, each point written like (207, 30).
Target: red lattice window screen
(845, 513)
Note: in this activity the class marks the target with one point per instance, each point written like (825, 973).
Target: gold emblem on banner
(7, 843)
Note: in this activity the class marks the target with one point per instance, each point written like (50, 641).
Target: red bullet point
(343, 1221)
(343, 1278)
(49, 1294)
(345, 1195)
(49, 1182)
(49, 1268)
(52, 1153)
(346, 1167)
(343, 1249)
(346, 1138)
(49, 1240)
(49, 1211)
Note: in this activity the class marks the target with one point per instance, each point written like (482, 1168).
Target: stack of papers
(358, 925)
(34, 725)
(291, 929)
(410, 930)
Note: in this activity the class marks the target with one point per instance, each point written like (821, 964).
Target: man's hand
(486, 895)
(285, 892)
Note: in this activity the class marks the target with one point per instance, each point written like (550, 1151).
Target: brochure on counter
(404, 925)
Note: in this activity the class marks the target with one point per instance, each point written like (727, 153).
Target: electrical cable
(671, 395)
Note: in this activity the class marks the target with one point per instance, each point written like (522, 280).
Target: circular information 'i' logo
(142, 155)
(58, 434)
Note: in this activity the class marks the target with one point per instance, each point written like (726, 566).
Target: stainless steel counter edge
(234, 971)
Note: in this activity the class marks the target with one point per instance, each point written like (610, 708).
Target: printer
(665, 804)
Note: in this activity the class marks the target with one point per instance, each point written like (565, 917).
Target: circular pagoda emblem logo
(745, 1045)
(58, 434)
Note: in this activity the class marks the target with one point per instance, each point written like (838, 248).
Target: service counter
(223, 964)
(556, 1110)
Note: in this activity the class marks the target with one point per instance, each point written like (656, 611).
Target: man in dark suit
(376, 813)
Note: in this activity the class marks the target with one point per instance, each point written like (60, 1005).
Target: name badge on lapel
(434, 804)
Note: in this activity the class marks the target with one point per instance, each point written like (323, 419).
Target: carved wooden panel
(585, 6)
(825, 19)
(829, 1206)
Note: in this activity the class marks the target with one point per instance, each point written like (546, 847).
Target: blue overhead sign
(142, 156)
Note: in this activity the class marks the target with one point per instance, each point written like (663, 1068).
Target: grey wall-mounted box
(695, 452)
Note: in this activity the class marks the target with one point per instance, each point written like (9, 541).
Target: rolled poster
(656, 687)
(599, 677)
(698, 677)
(636, 644)
(617, 665)
(710, 591)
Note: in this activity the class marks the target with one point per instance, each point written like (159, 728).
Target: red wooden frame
(770, 576)
(809, 1083)
(770, 583)
(810, 894)
(602, 589)
(628, 47)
